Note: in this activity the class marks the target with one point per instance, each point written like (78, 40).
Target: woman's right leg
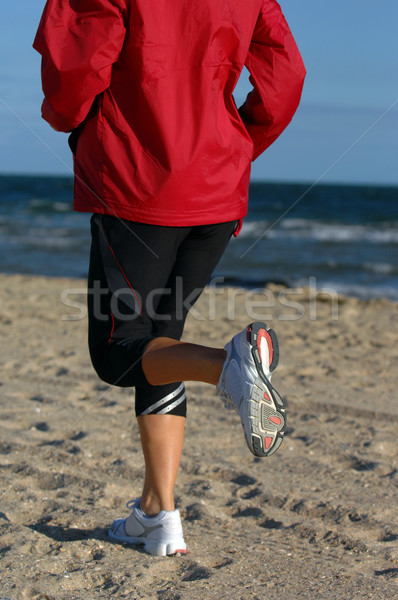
(167, 359)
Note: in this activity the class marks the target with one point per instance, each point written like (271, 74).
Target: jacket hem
(164, 218)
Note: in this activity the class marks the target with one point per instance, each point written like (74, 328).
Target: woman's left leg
(162, 438)
(166, 360)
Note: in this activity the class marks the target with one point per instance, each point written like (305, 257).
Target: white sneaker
(245, 385)
(161, 535)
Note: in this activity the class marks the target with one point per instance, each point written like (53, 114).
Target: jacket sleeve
(277, 75)
(79, 40)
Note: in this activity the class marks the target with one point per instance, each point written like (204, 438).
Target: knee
(118, 363)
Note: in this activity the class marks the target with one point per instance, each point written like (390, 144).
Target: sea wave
(47, 206)
(382, 268)
(319, 231)
(59, 239)
(365, 292)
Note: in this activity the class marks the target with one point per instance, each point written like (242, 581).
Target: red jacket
(149, 84)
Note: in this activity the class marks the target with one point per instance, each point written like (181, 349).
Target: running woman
(162, 159)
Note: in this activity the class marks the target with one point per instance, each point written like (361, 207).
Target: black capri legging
(143, 279)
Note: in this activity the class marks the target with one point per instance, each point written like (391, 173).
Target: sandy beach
(318, 520)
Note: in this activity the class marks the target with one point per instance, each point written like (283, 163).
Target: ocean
(340, 237)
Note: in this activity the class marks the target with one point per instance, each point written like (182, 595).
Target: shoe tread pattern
(266, 405)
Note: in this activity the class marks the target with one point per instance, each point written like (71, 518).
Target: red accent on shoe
(263, 333)
(267, 442)
(248, 332)
(276, 420)
(179, 552)
(270, 348)
(266, 397)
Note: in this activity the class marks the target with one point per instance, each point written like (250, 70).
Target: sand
(317, 520)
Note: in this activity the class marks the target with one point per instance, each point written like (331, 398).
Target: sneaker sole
(266, 407)
(151, 547)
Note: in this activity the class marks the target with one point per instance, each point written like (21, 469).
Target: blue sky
(346, 129)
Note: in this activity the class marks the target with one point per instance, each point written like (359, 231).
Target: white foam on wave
(38, 202)
(381, 268)
(364, 292)
(357, 290)
(62, 206)
(33, 243)
(49, 205)
(384, 233)
(252, 229)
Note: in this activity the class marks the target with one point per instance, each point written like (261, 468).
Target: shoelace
(132, 503)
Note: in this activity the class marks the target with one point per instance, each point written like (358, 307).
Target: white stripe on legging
(164, 400)
(172, 405)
